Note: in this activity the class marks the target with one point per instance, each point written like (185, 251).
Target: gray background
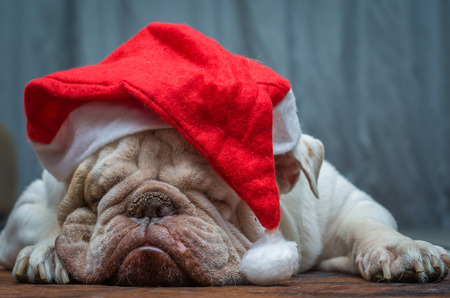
(372, 78)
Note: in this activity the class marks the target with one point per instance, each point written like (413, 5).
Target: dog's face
(149, 210)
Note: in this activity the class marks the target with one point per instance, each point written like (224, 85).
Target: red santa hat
(235, 111)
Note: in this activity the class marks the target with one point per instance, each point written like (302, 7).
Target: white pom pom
(270, 260)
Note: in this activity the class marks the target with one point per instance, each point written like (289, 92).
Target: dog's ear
(287, 171)
(306, 157)
(310, 153)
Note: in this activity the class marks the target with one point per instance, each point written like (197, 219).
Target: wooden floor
(308, 284)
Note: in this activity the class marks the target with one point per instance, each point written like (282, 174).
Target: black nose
(152, 204)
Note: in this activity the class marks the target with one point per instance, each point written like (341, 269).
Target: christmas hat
(235, 111)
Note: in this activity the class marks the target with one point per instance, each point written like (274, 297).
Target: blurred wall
(372, 78)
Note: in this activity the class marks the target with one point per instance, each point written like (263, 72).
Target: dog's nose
(151, 204)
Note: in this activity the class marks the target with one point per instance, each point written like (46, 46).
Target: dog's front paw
(403, 261)
(40, 264)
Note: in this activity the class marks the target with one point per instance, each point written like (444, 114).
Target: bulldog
(181, 163)
(148, 209)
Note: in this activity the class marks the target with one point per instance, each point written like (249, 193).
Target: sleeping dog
(148, 209)
(179, 163)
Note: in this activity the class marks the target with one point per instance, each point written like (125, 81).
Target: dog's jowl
(174, 162)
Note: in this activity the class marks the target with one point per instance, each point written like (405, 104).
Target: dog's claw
(435, 262)
(21, 267)
(361, 271)
(386, 270)
(418, 266)
(446, 260)
(42, 273)
(64, 276)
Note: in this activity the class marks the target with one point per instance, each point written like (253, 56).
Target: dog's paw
(40, 264)
(403, 261)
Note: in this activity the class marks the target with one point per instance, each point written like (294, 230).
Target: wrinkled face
(149, 210)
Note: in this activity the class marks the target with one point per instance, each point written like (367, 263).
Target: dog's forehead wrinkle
(106, 150)
(129, 147)
(116, 162)
(119, 192)
(184, 175)
(151, 153)
(173, 138)
(104, 176)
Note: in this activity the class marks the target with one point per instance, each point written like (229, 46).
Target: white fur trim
(270, 260)
(89, 128)
(286, 126)
(95, 124)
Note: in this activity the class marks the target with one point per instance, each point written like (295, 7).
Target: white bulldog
(149, 210)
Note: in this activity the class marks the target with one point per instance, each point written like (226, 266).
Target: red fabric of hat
(220, 102)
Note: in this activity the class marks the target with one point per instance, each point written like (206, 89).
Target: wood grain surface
(313, 283)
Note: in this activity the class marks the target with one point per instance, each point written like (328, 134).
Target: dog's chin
(150, 266)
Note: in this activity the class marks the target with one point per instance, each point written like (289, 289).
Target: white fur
(346, 226)
(345, 230)
(31, 229)
(33, 218)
